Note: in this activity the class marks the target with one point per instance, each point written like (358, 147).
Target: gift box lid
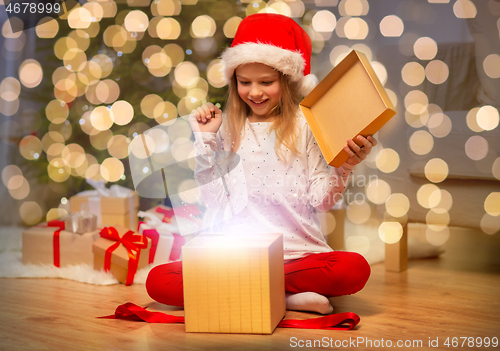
(120, 254)
(349, 101)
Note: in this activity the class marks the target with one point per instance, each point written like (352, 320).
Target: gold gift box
(234, 284)
(119, 257)
(348, 102)
(74, 248)
(114, 210)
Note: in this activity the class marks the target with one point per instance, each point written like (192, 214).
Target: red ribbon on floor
(132, 242)
(339, 321)
(55, 240)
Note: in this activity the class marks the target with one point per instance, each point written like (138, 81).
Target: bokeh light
(231, 26)
(437, 237)
(387, 160)
(203, 26)
(491, 65)
(437, 72)
(358, 212)
(30, 73)
(436, 170)
(476, 147)
(391, 26)
(378, 191)
(487, 117)
(10, 88)
(136, 21)
(492, 204)
(464, 9)
(397, 205)
(390, 232)
(112, 169)
(30, 212)
(413, 74)
(429, 196)
(324, 21)
(425, 48)
(421, 142)
(490, 224)
(439, 125)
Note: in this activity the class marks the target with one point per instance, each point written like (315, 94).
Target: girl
(285, 177)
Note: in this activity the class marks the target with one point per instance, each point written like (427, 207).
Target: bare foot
(308, 301)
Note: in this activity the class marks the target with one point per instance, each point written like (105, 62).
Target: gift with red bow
(122, 252)
(50, 243)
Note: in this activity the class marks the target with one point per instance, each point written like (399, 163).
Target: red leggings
(329, 274)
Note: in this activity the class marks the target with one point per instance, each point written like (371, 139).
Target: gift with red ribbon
(121, 252)
(50, 243)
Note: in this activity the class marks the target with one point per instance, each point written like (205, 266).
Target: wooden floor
(457, 295)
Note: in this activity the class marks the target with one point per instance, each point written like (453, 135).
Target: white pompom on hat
(274, 40)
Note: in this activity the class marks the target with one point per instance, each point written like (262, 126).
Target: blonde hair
(284, 122)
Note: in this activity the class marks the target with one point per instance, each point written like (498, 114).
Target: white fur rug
(11, 265)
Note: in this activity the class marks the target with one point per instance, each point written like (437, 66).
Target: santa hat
(276, 41)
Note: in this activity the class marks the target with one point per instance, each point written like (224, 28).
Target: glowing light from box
(439, 125)
(10, 88)
(387, 160)
(136, 21)
(492, 204)
(437, 72)
(416, 102)
(464, 9)
(356, 29)
(186, 74)
(436, 170)
(397, 205)
(390, 232)
(437, 219)
(429, 196)
(79, 17)
(168, 29)
(490, 224)
(30, 73)
(437, 237)
(487, 117)
(495, 168)
(324, 21)
(421, 142)
(476, 147)
(30, 212)
(413, 74)
(30, 147)
(378, 191)
(112, 169)
(391, 26)
(425, 48)
(491, 65)
(357, 243)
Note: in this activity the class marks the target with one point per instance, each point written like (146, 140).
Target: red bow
(153, 235)
(55, 240)
(339, 321)
(132, 242)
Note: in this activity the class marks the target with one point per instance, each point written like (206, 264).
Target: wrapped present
(234, 283)
(116, 205)
(121, 252)
(81, 222)
(50, 243)
(166, 244)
